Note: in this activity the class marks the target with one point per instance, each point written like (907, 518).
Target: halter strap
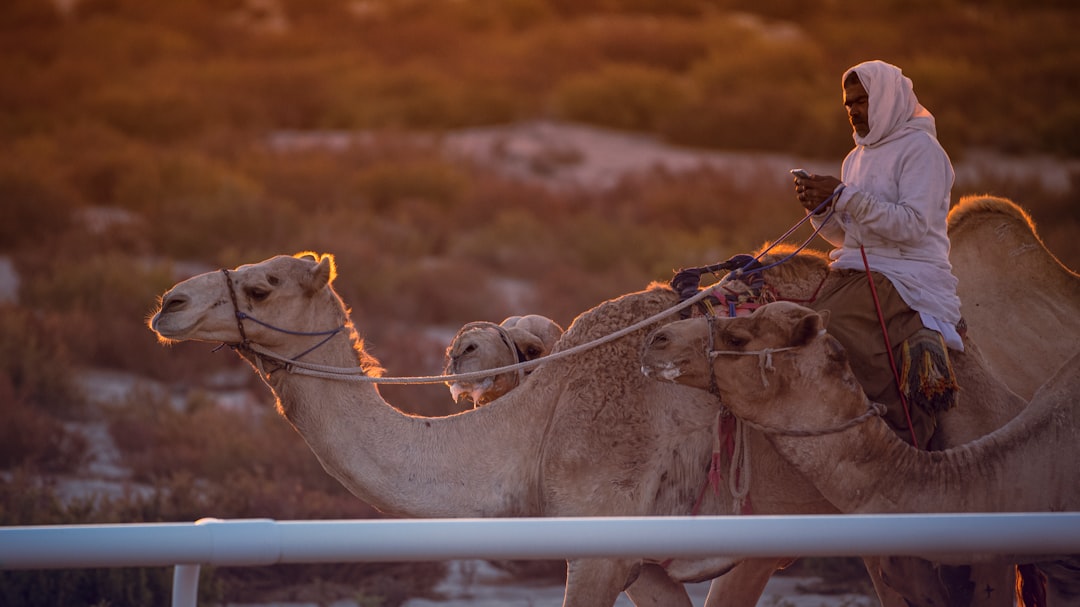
(765, 364)
(245, 343)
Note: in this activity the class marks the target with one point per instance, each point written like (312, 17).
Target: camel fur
(1006, 273)
(798, 279)
(806, 384)
(584, 436)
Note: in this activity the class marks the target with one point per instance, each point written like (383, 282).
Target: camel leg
(1062, 581)
(899, 572)
(993, 584)
(597, 582)
(924, 582)
(655, 588)
(744, 584)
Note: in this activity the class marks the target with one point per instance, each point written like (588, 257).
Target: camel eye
(273, 280)
(469, 349)
(532, 352)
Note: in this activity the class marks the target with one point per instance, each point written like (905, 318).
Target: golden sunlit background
(464, 160)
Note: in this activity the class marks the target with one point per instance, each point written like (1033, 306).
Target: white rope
(739, 468)
(764, 358)
(357, 374)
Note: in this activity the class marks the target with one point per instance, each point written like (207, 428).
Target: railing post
(185, 590)
(185, 586)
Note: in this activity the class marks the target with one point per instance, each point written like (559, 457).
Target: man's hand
(813, 190)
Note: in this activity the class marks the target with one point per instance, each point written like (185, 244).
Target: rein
(294, 365)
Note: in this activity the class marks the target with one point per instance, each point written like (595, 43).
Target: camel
(798, 279)
(779, 371)
(486, 345)
(995, 251)
(581, 436)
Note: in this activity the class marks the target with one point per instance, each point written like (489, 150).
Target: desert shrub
(197, 208)
(219, 446)
(109, 176)
(620, 96)
(36, 362)
(162, 114)
(30, 438)
(756, 92)
(28, 501)
(386, 185)
(32, 206)
(110, 283)
(670, 44)
(507, 241)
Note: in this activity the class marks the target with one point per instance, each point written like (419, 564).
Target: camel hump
(984, 204)
(970, 230)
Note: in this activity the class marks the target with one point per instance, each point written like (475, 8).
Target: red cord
(888, 347)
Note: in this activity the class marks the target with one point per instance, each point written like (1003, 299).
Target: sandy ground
(478, 584)
(489, 587)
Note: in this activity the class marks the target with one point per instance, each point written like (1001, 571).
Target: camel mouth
(164, 326)
(666, 371)
(471, 393)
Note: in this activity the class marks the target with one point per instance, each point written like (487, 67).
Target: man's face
(857, 103)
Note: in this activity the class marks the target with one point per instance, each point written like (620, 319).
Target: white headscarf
(894, 108)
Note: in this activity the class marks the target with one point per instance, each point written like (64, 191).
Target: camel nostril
(172, 304)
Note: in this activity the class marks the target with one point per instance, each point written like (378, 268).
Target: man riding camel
(886, 218)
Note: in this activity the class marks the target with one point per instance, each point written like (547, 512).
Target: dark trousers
(853, 321)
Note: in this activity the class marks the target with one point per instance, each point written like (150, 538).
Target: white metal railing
(253, 542)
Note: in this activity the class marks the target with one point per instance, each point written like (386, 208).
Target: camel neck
(409, 465)
(868, 469)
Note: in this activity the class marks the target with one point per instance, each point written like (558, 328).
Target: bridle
(765, 364)
(246, 345)
(507, 340)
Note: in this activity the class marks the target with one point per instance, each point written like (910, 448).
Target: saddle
(687, 283)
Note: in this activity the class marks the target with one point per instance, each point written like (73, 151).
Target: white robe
(897, 185)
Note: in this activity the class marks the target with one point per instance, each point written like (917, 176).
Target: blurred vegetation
(136, 150)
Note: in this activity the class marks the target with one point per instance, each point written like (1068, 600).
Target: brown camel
(781, 372)
(595, 441)
(995, 253)
(798, 279)
(485, 345)
(581, 436)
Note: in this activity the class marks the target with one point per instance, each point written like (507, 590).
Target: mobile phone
(802, 173)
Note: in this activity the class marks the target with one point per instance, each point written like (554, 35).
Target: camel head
(253, 303)
(534, 335)
(748, 360)
(479, 346)
(483, 345)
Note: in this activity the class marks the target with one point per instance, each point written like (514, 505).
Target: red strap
(888, 346)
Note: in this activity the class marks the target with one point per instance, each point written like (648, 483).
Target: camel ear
(528, 345)
(807, 329)
(322, 274)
